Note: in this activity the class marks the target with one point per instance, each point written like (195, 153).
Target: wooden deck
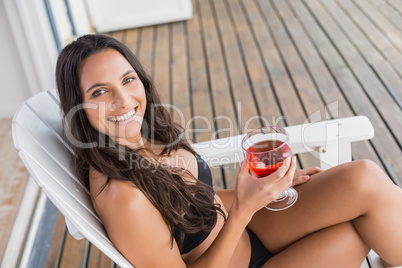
(13, 179)
(238, 64)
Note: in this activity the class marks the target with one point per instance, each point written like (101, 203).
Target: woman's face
(113, 96)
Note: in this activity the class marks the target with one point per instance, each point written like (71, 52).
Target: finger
(292, 169)
(300, 179)
(312, 170)
(290, 173)
(285, 166)
(304, 178)
(282, 170)
(287, 180)
(244, 165)
(308, 171)
(244, 169)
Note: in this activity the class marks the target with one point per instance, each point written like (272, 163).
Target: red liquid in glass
(265, 157)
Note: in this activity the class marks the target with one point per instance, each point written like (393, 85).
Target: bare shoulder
(135, 226)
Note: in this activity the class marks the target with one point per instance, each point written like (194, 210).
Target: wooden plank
(285, 90)
(383, 141)
(146, 49)
(218, 80)
(300, 75)
(132, 40)
(334, 100)
(397, 4)
(293, 79)
(256, 42)
(374, 59)
(270, 89)
(239, 41)
(238, 81)
(382, 22)
(390, 79)
(119, 35)
(225, 116)
(161, 71)
(56, 243)
(257, 76)
(180, 76)
(389, 12)
(202, 106)
(376, 37)
(387, 107)
(203, 122)
(13, 180)
(267, 87)
(98, 260)
(320, 75)
(73, 253)
(96, 257)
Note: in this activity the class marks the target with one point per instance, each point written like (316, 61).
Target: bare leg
(385, 264)
(357, 192)
(336, 246)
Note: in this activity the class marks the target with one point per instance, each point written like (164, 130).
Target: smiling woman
(160, 212)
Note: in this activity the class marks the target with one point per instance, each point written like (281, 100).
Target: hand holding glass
(265, 149)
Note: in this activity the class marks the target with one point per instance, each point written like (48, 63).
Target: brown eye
(128, 80)
(98, 92)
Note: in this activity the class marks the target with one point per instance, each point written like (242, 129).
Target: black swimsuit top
(191, 241)
(204, 173)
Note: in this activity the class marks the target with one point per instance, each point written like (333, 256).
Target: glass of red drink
(265, 149)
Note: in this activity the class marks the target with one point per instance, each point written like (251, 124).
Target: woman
(155, 197)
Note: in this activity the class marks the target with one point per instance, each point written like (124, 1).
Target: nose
(121, 98)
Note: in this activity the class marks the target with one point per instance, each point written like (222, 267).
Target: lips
(123, 117)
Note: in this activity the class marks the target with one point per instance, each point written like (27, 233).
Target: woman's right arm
(251, 194)
(139, 232)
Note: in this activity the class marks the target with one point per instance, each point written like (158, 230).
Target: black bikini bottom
(259, 254)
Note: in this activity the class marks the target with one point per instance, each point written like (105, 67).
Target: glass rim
(265, 127)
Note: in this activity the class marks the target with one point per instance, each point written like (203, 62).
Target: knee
(367, 177)
(369, 170)
(366, 166)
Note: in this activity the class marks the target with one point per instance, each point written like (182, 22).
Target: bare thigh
(329, 198)
(354, 193)
(336, 246)
(338, 195)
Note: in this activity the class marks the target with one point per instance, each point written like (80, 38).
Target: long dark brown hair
(185, 207)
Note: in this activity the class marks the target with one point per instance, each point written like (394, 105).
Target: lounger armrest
(330, 140)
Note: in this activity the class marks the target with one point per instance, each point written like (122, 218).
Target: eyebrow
(103, 84)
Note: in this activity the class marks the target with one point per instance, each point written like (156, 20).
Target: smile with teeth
(123, 117)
